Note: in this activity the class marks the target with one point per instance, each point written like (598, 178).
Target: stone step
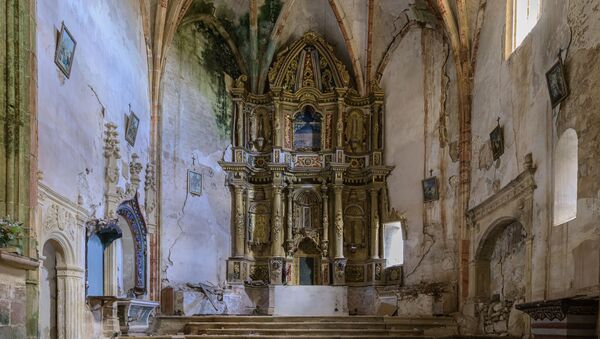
(305, 332)
(302, 325)
(308, 336)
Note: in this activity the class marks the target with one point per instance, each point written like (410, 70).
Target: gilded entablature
(307, 171)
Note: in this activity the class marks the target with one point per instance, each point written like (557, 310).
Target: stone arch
(132, 214)
(499, 230)
(62, 242)
(511, 204)
(68, 287)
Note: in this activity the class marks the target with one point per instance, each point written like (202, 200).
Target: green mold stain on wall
(267, 17)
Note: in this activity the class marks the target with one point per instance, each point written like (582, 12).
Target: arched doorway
(126, 260)
(307, 260)
(501, 277)
(51, 293)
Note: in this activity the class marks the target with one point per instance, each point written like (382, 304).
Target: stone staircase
(255, 327)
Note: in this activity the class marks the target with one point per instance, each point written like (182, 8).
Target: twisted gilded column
(290, 219)
(240, 221)
(325, 236)
(339, 223)
(277, 228)
(374, 223)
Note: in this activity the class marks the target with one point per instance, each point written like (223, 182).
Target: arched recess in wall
(503, 244)
(132, 214)
(565, 177)
(53, 256)
(393, 243)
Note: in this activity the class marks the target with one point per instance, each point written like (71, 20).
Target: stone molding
(521, 186)
(559, 309)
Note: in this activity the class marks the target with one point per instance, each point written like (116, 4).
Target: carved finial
(240, 82)
(135, 168)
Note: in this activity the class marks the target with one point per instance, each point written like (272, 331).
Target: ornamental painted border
(130, 210)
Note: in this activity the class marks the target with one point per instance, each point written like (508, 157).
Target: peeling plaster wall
(109, 74)
(421, 133)
(565, 258)
(109, 77)
(195, 238)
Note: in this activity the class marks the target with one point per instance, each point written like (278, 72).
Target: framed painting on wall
(131, 128)
(430, 189)
(194, 182)
(557, 85)
(65, 51)
(497, 141)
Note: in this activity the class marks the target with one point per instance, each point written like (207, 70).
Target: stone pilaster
(70, 281)
(18, 118)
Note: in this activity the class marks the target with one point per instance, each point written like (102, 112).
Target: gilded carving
(356, 132)
(315, 134)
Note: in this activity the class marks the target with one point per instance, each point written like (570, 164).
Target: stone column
(374, 223)
(325, 236)
(239, 222)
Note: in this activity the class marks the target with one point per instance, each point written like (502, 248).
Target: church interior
(299, 169)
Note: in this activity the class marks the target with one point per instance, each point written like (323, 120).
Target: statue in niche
(289, 81)
(355, 227)
(327, 83)
(260, 129)
(356, 132)
(258, 225)
(307, 130)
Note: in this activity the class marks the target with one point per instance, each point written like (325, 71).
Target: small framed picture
(194, 182)
(557, 85)
(65, 50)
(430, 189)
(131, 128)
(497, 141)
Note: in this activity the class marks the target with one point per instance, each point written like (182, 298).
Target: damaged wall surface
(106, 83)
(196, 111)
(421, 140)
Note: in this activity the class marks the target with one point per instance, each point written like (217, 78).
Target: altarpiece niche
(307, 174)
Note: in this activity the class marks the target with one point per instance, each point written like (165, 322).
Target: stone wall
(108, 81)
(12, 303)
(421, 141)
(196, 110)
(515, 90)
